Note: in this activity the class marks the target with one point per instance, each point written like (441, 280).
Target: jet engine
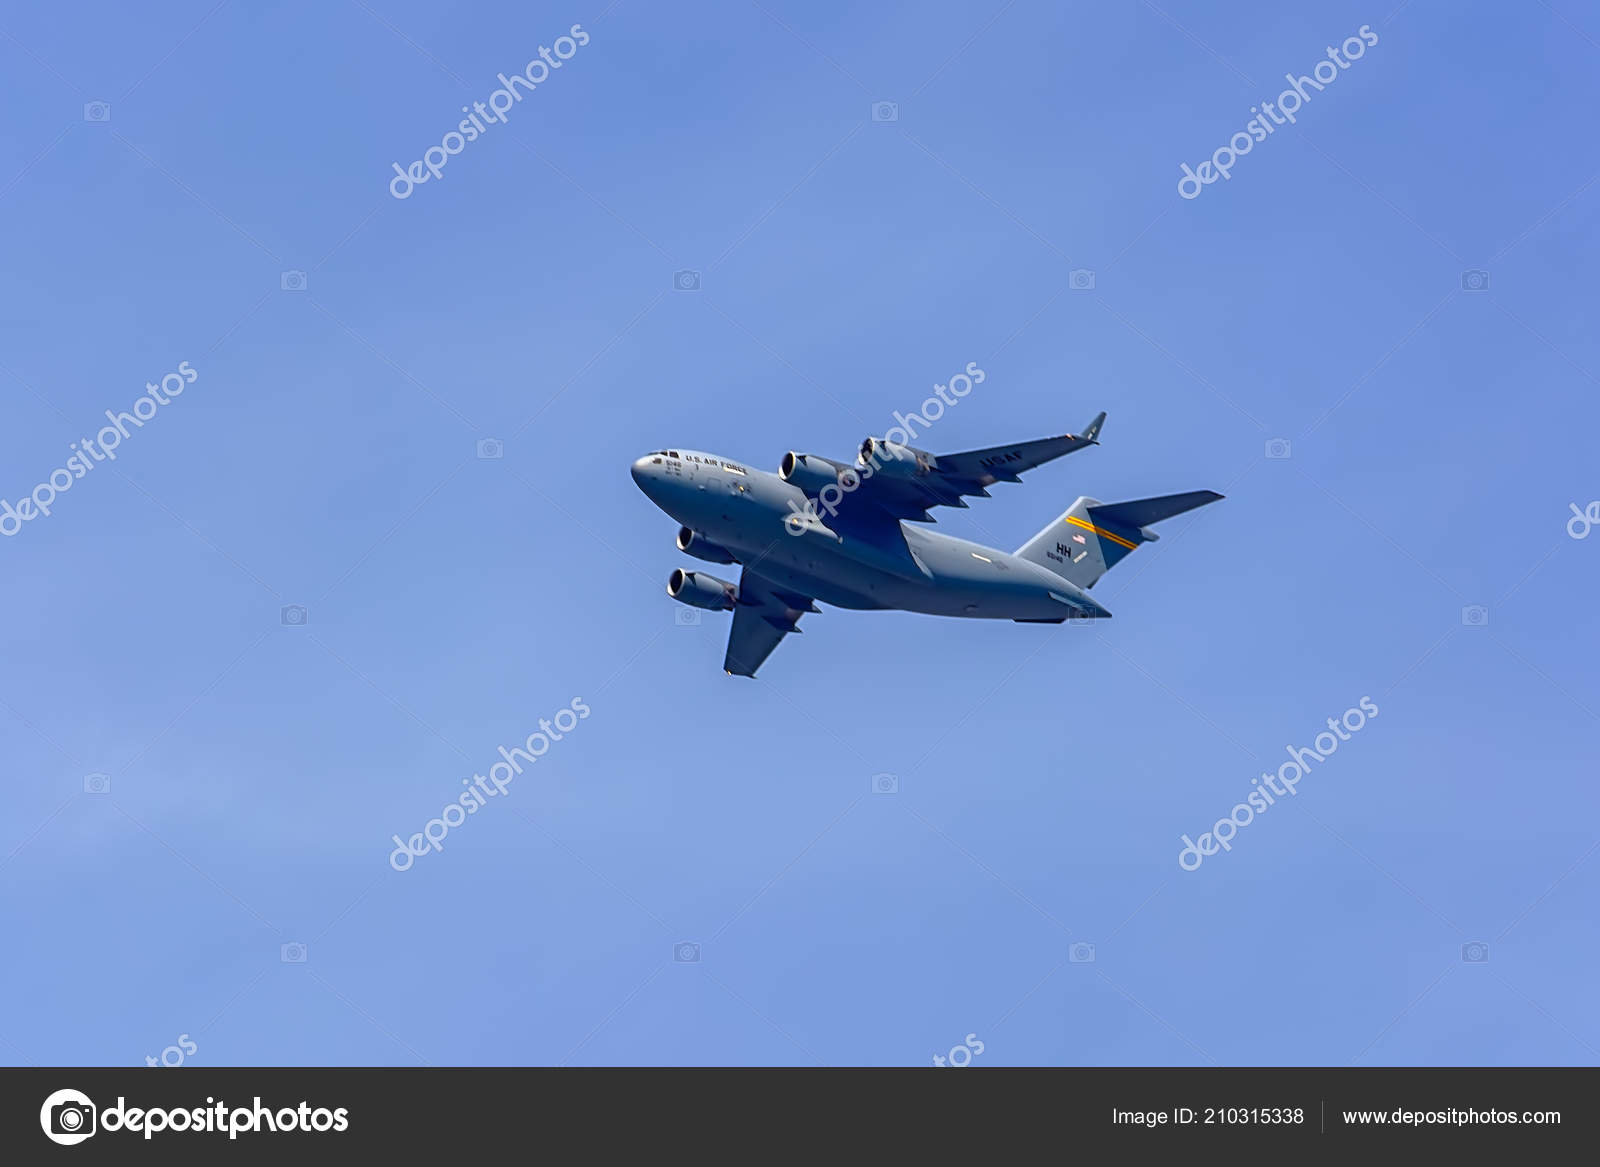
(692, 542)
(699, 590)
(811, 472)
(896, 461)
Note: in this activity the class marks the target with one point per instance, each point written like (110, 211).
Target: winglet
(1092, 431)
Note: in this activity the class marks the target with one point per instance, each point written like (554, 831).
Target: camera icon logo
(97, 783)
(1475, 280)
(686, 617)
(293, 616)
(885, 784)
(292, 953)
(491, 448)
(292, 281)
(885, 111)
(685, 952)
(686, 280)
(97, 111)
(1475, 952)
(1081, 279)
(1278, 448)
(1475, 616)
(68, 1117)
(1081, 953)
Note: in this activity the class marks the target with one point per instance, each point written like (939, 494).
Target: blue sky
(326, 457)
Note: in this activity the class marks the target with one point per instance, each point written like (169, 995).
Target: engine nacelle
(699, 590)
(896, 461)
(692, 542)
(811, 472)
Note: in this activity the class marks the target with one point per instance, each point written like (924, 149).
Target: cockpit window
(672, 453)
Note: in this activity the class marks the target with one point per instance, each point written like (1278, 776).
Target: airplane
(838, 533)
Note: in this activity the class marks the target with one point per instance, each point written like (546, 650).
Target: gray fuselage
(745, 511)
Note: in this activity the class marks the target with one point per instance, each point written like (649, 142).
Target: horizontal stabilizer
(1141, 512)
(1092, 537)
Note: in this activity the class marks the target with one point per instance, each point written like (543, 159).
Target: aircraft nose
(641, 472)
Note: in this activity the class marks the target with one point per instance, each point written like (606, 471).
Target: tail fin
(1093, 536)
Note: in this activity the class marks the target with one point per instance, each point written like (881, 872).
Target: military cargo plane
(838, 533)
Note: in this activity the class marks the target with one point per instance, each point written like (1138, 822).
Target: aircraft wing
(764, 615)
(949, 479)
